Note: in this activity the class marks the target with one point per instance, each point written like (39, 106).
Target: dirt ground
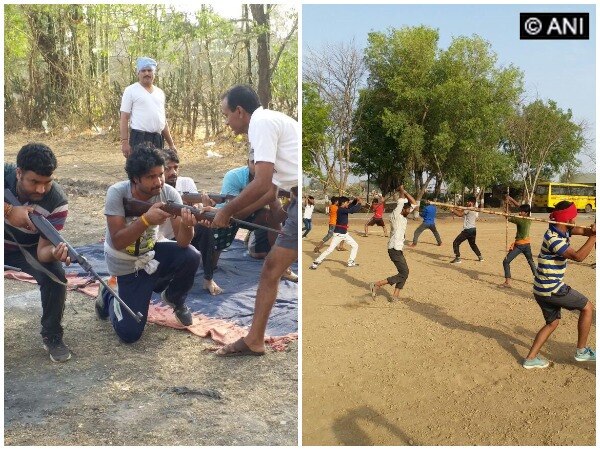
(146, 393)
(442, 365)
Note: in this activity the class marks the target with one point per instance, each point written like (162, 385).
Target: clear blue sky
(564, 71)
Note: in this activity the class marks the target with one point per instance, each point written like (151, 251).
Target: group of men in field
(157, 251)
(549, 290)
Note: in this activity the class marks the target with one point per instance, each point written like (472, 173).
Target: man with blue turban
(143, 117)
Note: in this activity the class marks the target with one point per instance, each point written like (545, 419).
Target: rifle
(195, 197)
(135, 208)
(49, 232)
(16, 269)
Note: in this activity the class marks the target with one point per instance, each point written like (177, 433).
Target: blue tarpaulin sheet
(237, 274)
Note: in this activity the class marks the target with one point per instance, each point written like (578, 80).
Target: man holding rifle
(274, 140)
(203, 240)
(31, 181)
(133, 255)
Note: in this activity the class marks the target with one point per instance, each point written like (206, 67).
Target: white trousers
(337, 238)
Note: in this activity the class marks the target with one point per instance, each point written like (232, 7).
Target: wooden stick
(487, 211)
(506, 219)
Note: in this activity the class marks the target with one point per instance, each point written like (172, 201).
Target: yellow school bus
(548, 194)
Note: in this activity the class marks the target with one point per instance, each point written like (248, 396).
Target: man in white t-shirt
(274, 140)
(398, 222)
(469, 232)
(143, 110)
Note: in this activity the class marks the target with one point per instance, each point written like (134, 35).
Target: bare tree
(337, 72)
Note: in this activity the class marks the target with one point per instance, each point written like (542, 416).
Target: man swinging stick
(549, 290)
(406, 204)
(522, 242)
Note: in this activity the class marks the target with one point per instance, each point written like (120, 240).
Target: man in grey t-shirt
(140, 263)
(469, 232)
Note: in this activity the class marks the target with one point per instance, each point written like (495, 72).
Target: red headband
(564, 215)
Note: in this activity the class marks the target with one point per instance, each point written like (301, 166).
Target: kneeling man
(140, 263)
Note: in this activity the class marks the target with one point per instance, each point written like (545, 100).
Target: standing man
(134, 255)
(143, 110)
(469, 232)
(522, 242)
(203, 240)
(378, 208)
(550, 291)
(274, 140)
(428, 213)
(31, 181)
(406, 204)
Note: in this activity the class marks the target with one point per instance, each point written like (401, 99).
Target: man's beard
(172, 182)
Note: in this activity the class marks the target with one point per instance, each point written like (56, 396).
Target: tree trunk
(260, 13)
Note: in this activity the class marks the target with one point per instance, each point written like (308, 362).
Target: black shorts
(566, 297)
(376, 221)
(259, 242)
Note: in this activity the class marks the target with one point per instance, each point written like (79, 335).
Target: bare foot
(212, 287)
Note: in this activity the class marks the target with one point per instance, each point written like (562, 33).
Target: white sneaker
(290, 276)
(314, 266)
(351, 263)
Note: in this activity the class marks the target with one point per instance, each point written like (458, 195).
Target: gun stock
(50, 233)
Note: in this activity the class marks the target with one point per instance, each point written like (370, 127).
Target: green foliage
(374, 152)
(446, 110)
(315, 121)
(543, 141)
(69, 64)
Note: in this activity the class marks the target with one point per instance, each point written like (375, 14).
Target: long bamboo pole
(487, 211)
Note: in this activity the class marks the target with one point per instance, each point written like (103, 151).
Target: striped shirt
(53, 206)
(551, 264)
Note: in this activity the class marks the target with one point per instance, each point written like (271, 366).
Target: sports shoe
(536, 363)
(182, 312)
(587, 354)
(481, 258)
(372, 289)
(59, 352)
(99, 304)
(290, 276)
(456, 260)
(351, 263)
(314, 266)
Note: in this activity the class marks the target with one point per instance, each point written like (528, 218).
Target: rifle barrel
(49, 232)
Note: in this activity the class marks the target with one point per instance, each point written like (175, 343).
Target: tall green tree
(542, 138)
(374, 152)
(316, 159)
(445, 109)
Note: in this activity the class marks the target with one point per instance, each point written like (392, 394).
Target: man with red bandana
(549, 290)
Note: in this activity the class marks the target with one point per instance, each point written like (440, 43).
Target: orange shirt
(333, 214)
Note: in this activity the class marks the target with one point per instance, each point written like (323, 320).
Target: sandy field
(442, 366)
(151, 392)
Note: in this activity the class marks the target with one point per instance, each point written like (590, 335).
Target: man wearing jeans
(428, 223)
(32, 182)
(522, 242)
(133, 253)
(469, 232)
